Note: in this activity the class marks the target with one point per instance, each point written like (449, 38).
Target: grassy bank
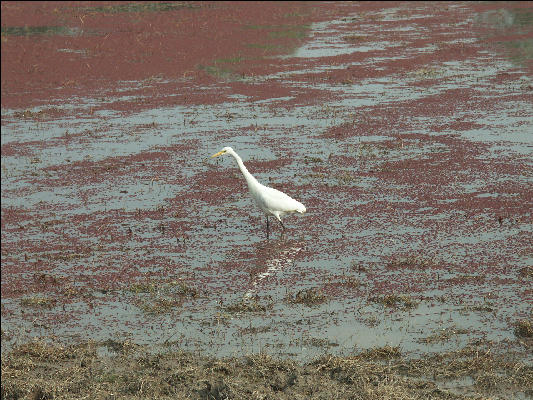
(112, 370)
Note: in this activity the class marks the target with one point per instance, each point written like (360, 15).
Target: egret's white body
(270, 200)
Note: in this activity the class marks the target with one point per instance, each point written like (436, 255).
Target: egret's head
(223, 151)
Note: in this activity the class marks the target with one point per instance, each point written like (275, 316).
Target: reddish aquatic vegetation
(112, 45)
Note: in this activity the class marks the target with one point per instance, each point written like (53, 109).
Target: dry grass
(39, 370)
(309, 297)
(381, 353)
(523, 329)
(443, 335)
(403, 302)
(526, 272)
(38, 302)
(157, 297)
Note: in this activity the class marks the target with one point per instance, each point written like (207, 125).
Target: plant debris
(403, 302)
(309, 297)
(523, 329)
(50, 371)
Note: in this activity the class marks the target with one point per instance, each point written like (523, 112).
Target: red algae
(110, 44)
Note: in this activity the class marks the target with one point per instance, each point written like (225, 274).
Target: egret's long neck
(248, 176)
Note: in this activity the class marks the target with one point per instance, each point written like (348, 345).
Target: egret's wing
(275, 200)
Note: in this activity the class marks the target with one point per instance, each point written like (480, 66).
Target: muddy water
(406, 132)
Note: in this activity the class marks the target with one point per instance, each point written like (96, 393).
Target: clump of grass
(160, 305)
(261, 363)
(442, 335)
(39, 350)
(248, 304)
(428, 72)
(155, 297)
(182, 289)
(38, 302)
(291, 32)
(481, 307)
(526, 272)
(381, 353)
(357, 267)
(354, 38)
(351, 282)
(219, 72)
(523, 329)
(309, 297)
(254, 330)
(137, 8)
(403, 301)
(230, 60)
(312, 159)
(367, 150)
(123, 347)
(75, 291)
(316, 342)
(345, 177)
(143, 287)
(466, 279)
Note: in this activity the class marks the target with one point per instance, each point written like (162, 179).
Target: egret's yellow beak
(218, 154)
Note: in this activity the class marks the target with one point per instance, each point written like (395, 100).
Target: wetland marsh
(133, 267)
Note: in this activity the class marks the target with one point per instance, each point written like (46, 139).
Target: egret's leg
(283, 228)
(267, 227)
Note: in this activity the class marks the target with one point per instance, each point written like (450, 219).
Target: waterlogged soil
(404, 128)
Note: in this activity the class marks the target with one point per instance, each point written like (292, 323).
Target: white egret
(270, 200)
